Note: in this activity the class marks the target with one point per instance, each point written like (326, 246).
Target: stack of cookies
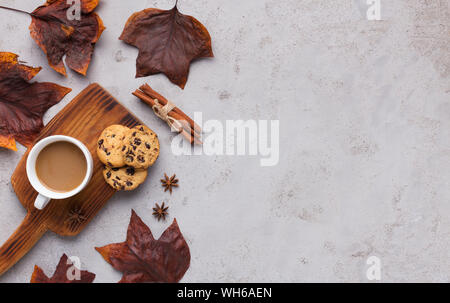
(127, 153)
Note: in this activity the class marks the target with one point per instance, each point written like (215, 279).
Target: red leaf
(168, 42)
(141, 258)
(22, 104)
(60, 275)
(57, 36)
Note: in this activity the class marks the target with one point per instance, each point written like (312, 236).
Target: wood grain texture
(84, 118)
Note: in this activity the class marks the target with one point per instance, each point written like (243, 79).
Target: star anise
(160, 211)
(76, 215)
(168, 183)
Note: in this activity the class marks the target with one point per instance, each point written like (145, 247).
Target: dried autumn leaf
(57, 36)
(22, 104)
(168, 42)
(141, 258)
(63, 271)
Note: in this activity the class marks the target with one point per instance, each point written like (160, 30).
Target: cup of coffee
(58, 167)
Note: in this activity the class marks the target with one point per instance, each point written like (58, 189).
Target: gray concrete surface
(364, 112)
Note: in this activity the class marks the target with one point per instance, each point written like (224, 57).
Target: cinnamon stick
(151, 102)
(155, 95)
(190, 130)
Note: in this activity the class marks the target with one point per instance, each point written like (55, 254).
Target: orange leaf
(8, 142)
(22, 104)
(57, 36)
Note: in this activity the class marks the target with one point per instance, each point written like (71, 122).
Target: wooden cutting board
(84, 118)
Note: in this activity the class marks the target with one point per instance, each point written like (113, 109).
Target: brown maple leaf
(63, 271)
(167, 41)
(57, 36)
(141, 258)
(22, 104)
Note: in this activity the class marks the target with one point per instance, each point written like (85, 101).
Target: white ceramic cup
(45, 194)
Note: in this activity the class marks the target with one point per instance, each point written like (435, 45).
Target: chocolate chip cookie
(110, 146)
(124, 178)
(141, 147)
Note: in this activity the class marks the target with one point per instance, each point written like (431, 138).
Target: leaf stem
(45, 18)
(15, 10)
